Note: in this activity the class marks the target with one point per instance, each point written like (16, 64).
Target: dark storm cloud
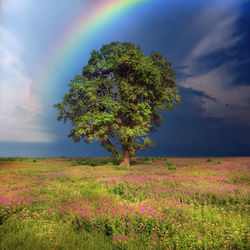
(217, 65)
(236, 56)
(186, 132)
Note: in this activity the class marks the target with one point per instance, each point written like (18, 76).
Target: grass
(92, 203)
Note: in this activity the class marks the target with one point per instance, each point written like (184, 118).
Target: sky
(44, 44)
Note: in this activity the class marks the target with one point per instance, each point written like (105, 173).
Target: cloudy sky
(207, 42)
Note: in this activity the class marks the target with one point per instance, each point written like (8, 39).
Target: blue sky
(208, 43)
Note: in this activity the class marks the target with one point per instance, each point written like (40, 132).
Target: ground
(160, 203)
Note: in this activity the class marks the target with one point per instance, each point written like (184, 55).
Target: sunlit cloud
(228, 102)
(19, 102)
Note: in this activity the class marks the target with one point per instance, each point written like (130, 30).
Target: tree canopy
(118, 98)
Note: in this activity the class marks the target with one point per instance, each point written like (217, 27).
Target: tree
(117, 99)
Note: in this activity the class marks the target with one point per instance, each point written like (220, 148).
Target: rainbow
(78, 33)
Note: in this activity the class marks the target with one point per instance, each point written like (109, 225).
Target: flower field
(174, 203)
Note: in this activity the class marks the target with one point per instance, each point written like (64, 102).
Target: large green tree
(118, 97)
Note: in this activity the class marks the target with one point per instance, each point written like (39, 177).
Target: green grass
(92, 203)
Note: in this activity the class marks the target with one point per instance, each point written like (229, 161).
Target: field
(160, 203)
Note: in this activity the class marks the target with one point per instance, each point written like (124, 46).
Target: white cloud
(19, 104)
(10, 5)
(8, 39)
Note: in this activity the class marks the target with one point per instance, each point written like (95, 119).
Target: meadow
(91, 203)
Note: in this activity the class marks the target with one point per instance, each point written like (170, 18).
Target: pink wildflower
(199, 238)
(154, 238)
(132, 235)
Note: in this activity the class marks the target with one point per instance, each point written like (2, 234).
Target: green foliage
(109, 163)
(10, 159)
(171, 165)
(92, 162)
(74, 163)
(209, 160)
(149, 160)
(6, 159)
(117, 99)
(219, 162)
(244, 163)
(85, 162)
(32, 160)
(133, 162)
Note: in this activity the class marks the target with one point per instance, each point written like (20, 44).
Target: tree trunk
(126, 159)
